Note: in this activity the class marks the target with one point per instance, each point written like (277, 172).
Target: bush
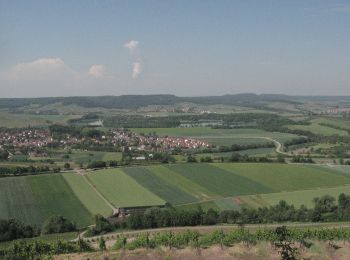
(97, 164)
(12, 229)
(57, 224)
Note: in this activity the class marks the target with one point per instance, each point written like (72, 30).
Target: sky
(182, 47)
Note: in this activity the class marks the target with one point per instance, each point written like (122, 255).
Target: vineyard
(281, 240)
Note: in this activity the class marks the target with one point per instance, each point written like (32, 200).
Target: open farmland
(220, 185)
(86, 194)
(318, 129)
(23, 120)
(287, 177)
(221, 136)
(219, 181)
(159, 186)
(32, 199)
(17, 201)
(216, 185)
(121, 190)
(298, 198)
(336, 122)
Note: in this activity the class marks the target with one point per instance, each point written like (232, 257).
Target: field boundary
(83, 175)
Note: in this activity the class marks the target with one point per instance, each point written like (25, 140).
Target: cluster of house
(38, 138)
(26, 138)
(344, 110)
(124, 138)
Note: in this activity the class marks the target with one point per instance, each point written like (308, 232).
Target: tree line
(26, 170)
(12, 229)
(326, 209)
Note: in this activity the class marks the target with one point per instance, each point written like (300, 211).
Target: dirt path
(83, 173)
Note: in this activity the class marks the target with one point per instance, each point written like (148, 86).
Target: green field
(18, 201)
(337, 122)
(318, 129)
(183, 183)
(23, 120)
(295, 197)
(32, 199)
(164, 189)
(221, 136)
(121, 190)
(219, 181)
(86, 194)
(252, 152)
(225, 141)
(218, 185)
(83, 157)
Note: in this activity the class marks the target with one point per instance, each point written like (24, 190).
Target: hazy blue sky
(189, 47)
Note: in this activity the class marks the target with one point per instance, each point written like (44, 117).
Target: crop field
(55, 197)
(183, 183)
(223, 185)
(219, 181)
(23, 120)
(159, 186)
(84, 157)
(298, 198)
(287, 177)
(121, 190)
(85, 193)
(337, 122)
(32, 199)
(221, 136)
(17, 201)
(224, 141)
(212, 185)
(319, 129)
(252, 152)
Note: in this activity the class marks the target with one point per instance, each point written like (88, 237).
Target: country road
(277, 143)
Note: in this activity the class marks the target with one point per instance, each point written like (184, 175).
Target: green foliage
(57, 224)
(12, 229)
(3, 155)
(102, 244)
(97, 164)
(40, 249)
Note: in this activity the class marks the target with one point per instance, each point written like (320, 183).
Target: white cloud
(97, 71)
(136, 69)
(131, 45)
(39, 68)
(51, 77)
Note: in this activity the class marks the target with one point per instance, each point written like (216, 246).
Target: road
(277, 143)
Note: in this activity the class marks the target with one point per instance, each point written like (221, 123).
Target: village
(33, 141)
